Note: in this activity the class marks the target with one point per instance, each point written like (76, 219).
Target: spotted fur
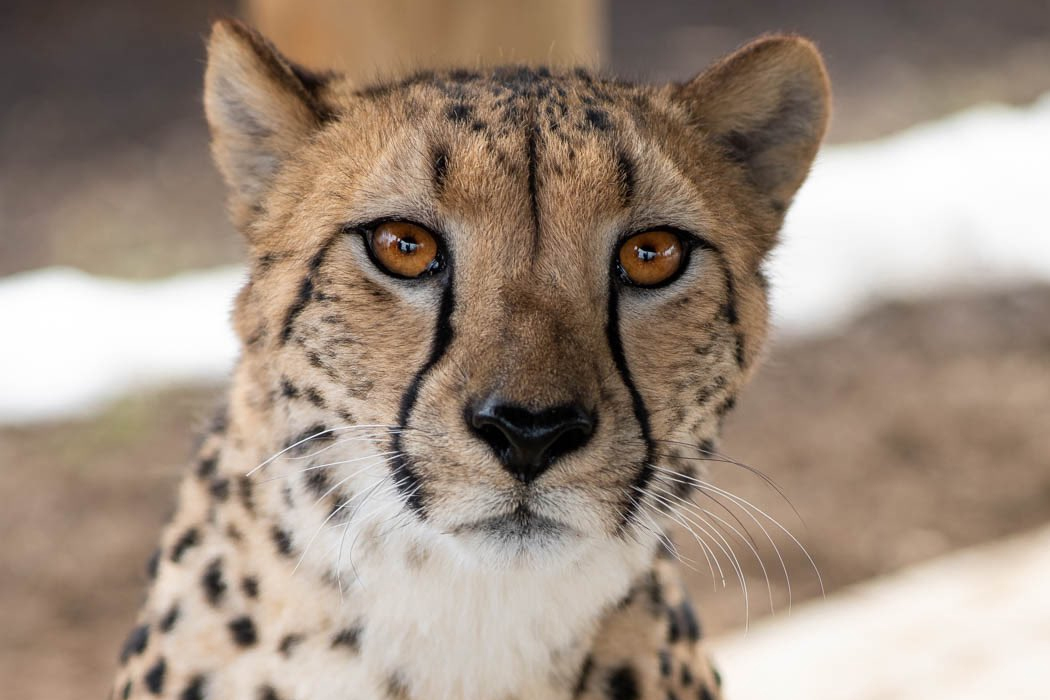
(344, 532)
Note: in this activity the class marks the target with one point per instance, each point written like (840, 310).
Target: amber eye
(404, 250)
(651, 258)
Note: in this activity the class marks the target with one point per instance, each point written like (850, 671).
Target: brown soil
(919, 430)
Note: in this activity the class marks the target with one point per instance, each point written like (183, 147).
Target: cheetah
(492, 323)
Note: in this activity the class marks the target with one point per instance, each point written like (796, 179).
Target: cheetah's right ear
(260, 108)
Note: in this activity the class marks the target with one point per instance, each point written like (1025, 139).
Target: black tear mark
(306, 290)
(641, 413)
(404, 473)
(440, 174)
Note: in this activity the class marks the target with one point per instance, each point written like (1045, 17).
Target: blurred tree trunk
(369, 39)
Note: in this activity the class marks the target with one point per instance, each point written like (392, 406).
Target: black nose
(528, 442)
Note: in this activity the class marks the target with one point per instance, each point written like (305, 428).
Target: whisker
(313, 437)
(325, 466)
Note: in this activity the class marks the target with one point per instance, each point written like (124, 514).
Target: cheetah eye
(651, 258)
(405, 250)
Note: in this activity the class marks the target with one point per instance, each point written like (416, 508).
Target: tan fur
(531, 178)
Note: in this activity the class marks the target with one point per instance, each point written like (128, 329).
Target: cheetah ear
(768, 104)
(260, 108)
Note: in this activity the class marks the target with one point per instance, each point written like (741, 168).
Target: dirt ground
(918, 430)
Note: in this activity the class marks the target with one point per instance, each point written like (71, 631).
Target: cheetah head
(541, 289)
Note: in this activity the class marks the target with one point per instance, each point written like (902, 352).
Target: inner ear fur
(768, 106)
(260, 108)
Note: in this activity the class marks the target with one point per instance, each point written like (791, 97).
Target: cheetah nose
(528, 442)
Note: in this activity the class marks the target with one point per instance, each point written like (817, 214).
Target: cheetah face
(545, 286)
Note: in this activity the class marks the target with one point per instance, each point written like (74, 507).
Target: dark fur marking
(153, 564)
(213, 583)
(459, 112)
(583, 677)
(288, 644)
(705, 694)
(534, 203)
(135, 644)
(267, 692)
(167, 623)
(154, 678)
(404, 475)
(206, 467)
(349, 638)
(440, 174)
(597, 119)
(318, 433)
(665, 663)
(289, 390)
(126, 692)
(625, 178)
(306, 290)
(194, 690)
(244, 490)
(250, 586)
(314, 396)
(190, 538)
(282, 540)
(641, 413)
(687, 675)
(622, 684)
(220, 489)
(317, 481)
(242, 629)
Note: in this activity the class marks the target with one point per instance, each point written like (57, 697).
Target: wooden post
(370, 39)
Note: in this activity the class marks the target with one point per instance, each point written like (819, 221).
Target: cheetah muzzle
(492, 324)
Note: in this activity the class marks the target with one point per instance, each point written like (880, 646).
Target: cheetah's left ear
(768, 104)
(260, 108)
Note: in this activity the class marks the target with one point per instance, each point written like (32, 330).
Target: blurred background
(904, 410)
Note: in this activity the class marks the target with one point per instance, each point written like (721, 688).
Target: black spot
(478, 125)
(687, 675)
(314, 396)
(190, 538)
(583, 676)
(154, 678)
(597, 119)
(689, 621)
(674, 630)
(440, 170)
(250, 586)
(717, 676)
(459, 112)
(213, 583)
(167, 623)
(135, 644)
(622, 684)
(665, 663)
(317, 481)
(126, 692)
(349, 638)
(396, 687)
(194, 690)
(671, 695)
(282, 540)
(220, 489)
(288, 643)
(705, 694)
(267, 692)
(316, 433)
(726, 406)
(244, 490)
(206, 467)
(289, 390)
(242, 629)
(152, 564)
